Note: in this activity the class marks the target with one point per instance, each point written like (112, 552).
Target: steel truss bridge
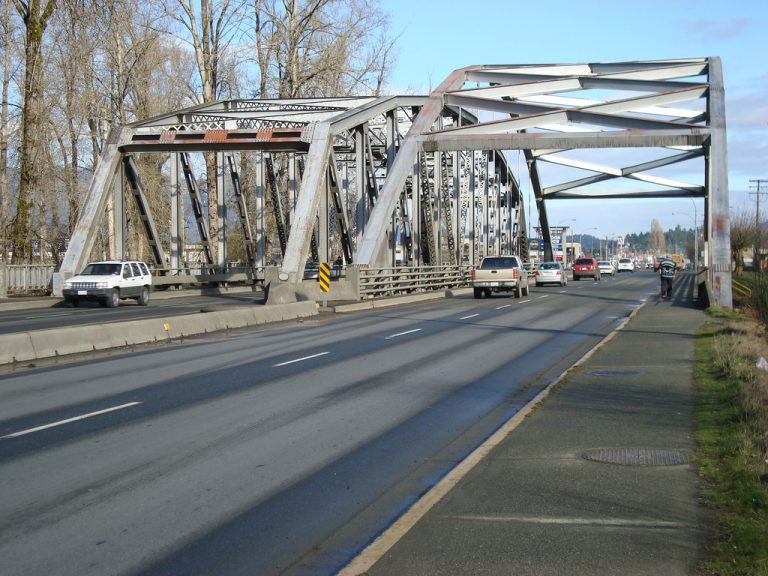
(415, 187)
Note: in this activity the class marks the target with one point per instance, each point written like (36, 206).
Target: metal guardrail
(21, 278)
(203, 275)
(374, 283)
(380, 282)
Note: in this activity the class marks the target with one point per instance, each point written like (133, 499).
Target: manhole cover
(637, 457)
(615, 373)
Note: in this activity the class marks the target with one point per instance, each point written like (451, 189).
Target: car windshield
(498, 262)
(549, 266)
(603, 263)
(625, 260)
(583, 261)
(101, 269)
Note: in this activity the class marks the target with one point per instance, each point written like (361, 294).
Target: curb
(54, 342)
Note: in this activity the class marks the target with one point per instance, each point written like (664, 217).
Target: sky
(435, 37)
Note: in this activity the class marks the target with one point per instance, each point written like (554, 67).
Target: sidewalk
(595, 481)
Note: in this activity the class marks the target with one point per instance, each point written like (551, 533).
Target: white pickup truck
(500, 274)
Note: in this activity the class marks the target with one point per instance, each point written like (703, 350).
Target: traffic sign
(324, 277)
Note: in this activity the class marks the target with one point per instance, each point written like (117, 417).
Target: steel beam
(84, 235)
(145, 214)
(312, 188)
(370, 249)
(717, 187)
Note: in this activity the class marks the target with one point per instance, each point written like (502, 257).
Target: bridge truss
(428, 180)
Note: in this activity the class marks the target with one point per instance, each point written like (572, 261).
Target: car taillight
(473, 273)
(515, 273)
(538, 273)
(557, 273)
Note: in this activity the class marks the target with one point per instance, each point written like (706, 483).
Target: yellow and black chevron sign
(324, 277)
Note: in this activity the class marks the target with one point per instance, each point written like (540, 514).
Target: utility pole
(760, 187)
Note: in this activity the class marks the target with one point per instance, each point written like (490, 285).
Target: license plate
(82, 292)
(493, 283)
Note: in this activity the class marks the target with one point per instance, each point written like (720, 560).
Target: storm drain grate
(615, 373)
(637, 456)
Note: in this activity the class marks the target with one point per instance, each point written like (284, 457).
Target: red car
(586, 267)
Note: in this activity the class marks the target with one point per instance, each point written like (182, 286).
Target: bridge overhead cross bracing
(644, 127)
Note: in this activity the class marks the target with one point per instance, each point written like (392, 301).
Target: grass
(732, 434)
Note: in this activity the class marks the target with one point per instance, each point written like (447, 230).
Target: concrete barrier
(400, 300)
(39, 344)
(16, 348)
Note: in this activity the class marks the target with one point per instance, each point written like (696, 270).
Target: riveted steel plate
(637, 456)
(614, 373)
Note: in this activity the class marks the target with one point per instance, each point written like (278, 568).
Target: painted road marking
(48, 316)
(403, 333)
(300, 359)
(470, 316)
(523, 301)
(545, 296)
(622, 522)
(505, 306)
(68, 420)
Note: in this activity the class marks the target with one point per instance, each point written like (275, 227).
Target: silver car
(606, 267)
(550, 273)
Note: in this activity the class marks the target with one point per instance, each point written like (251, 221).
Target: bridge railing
(379, 282)
(196, 275)
(25, 278)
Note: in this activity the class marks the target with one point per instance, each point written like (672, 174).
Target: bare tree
(210, 33)
(327, 47)
(9, 63)
(743, 236)
(36, 15)
(656, 241)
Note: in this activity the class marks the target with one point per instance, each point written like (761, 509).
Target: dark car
(586, 268)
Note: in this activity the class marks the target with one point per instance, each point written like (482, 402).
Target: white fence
(25, 278)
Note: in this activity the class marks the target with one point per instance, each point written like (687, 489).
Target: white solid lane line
(403, 333)
(300, 359)
(470, 316)
(68, 420)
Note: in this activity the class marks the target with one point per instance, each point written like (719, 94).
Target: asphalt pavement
(596, 479)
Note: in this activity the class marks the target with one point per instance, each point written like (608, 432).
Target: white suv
(626, 265)
(108, 282)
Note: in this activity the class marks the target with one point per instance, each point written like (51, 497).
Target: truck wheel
(477, 292)
(113, 299)
(143, 299)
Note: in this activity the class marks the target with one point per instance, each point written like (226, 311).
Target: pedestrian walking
(667, 272)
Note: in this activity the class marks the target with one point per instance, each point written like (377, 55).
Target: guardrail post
(3, 281)
(353, 279)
